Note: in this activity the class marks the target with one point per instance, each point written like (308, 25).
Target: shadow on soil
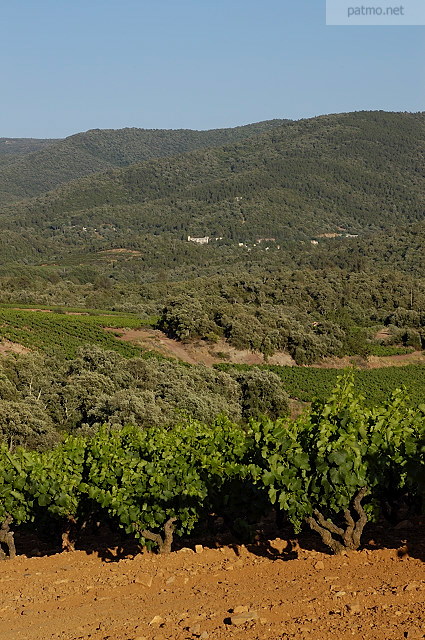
(407, 538)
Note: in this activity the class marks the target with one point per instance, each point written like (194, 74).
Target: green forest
(30, 167)
(348, 174)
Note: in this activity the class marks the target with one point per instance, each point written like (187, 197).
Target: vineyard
(332, 469)
(308, 383)
(382, 350)
(60, 333)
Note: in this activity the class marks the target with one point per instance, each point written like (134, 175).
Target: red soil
(368, 595)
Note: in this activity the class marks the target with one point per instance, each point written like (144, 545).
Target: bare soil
(383, 334)
(284, 593)
(199, 352)
(6, 346)
(372, 362)
(32, 309)
(131, 252)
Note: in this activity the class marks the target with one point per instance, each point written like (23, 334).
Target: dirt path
(370, 595)
(198, 352)
(373, 362)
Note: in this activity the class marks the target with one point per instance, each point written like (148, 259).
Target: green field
(383, 350)
(59, 333)
(308, 383)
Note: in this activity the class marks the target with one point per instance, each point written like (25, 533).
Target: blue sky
(72, 65)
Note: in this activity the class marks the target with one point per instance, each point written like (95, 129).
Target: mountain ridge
(42, 165)
(350, 174)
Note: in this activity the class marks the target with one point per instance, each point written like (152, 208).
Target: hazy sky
(73, 65)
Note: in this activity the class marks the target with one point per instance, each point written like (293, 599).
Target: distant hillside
(21, 146)
(348, 174)
(13, 149)
(34, 166)
(400, 248)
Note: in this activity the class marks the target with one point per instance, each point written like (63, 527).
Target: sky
(71, 65)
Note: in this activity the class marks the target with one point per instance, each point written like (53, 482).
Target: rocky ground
(273, 591)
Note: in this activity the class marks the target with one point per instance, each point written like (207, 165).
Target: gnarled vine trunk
(350, 537)
(164, 543)
(7, 538)
(69, 535)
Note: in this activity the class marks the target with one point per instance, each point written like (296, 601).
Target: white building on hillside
(204, 240)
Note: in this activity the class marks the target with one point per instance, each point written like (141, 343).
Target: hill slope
(399, 248)
(343, 174)
(54, 163)
(12, 148)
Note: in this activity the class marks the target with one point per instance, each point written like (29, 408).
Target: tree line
(43, 398)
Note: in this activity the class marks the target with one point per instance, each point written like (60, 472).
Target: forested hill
(30, 167)
(399, 248)
(348, 174)
(13, 148)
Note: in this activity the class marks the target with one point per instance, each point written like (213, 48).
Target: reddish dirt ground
(6, 346)
(302, 595)
(198, 352)
(373, 362)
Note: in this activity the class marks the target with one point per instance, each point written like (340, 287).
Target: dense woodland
(43, 398)
(309, 313)
(349, 174)
(29, 167)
